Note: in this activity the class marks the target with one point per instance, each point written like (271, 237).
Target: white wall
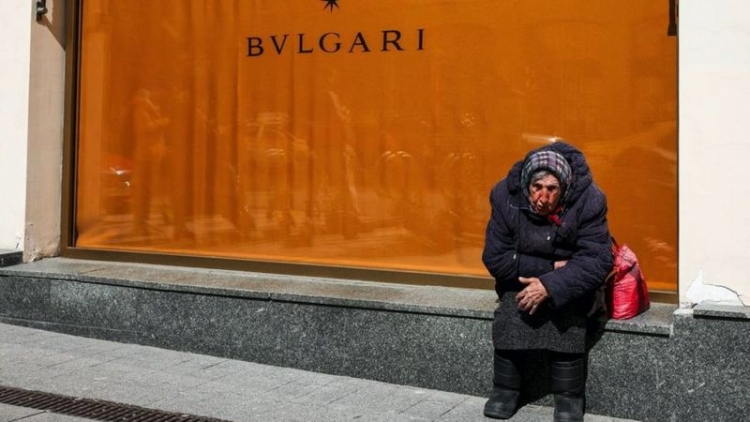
(714, 150)
(15, 24)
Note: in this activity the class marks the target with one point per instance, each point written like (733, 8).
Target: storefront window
(364, 134)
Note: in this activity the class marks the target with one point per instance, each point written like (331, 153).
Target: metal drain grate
(92, 409)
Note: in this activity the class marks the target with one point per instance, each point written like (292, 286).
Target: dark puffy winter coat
(520, 243)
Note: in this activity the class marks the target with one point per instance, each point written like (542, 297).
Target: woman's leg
(568, 373)
(506, 387)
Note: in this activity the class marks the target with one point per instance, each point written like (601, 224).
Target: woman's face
(544, 194)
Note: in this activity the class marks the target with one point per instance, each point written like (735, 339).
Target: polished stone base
(8, 258)
(688, 365)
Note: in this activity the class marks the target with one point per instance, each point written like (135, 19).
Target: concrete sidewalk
(214, 387)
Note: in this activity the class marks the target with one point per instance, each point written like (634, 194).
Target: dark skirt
(561, 330)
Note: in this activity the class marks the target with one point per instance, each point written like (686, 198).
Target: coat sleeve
(592, 259)
(500, 256)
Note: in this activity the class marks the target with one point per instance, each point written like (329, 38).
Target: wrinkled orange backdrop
(192, 142)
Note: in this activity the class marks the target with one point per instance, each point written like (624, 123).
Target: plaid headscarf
(547, 160)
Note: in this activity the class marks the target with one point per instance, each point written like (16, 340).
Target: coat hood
(581, 178)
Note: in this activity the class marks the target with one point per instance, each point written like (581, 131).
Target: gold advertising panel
(364, 134)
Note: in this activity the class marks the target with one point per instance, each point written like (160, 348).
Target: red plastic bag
(627, 293)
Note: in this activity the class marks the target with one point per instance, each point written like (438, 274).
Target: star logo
(330, 4)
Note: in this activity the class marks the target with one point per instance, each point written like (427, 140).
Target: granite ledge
(714, 310)
(655, 321)
(433, 300)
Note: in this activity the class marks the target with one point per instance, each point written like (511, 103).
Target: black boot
(568, 384)
(506, 387)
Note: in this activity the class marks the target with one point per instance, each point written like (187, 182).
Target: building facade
(340, 142)
(392, 147)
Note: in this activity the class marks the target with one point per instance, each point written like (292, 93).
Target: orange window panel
(364, 134)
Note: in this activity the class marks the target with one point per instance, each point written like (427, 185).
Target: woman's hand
(530, 298)
(560, 264)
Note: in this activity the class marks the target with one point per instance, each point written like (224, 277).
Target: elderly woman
(548, 248)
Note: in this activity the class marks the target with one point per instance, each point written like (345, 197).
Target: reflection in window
(374, 160)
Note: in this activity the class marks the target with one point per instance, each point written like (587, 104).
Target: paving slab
(216, 387)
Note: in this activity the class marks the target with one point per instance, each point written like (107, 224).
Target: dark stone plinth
(8, 258)
(707, 375)
(24, 298)
(667, 364)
